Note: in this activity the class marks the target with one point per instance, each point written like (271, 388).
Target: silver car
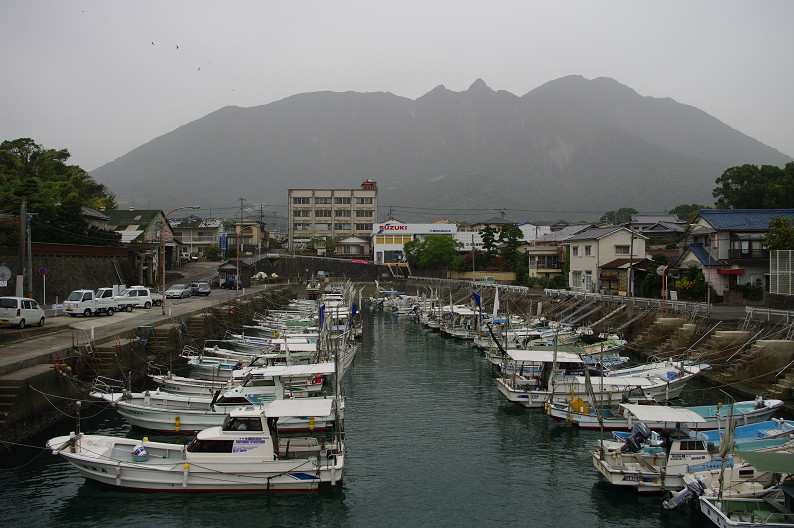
(177, 291)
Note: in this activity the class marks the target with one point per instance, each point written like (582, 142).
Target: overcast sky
(103, 77)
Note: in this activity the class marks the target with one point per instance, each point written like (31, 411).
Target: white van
(140, 295)
(20, 311)
(85, 302)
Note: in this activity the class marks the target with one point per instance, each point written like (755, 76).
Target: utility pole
(239, 239)
(20, 281)
(30, 256)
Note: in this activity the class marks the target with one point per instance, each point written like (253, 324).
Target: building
(661, 229)
(591, 250)
(197, 233)
(331, 213)
(388, 238)
(254, 237)
(141, 231)
(728, 245)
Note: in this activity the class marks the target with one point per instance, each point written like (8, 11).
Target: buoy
(176, 423)
(311, 423)
(145, 438)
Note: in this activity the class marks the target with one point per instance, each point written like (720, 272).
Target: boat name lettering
(629, 478)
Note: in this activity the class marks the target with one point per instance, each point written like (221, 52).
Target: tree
(687, 211)
(488, 235)
(653, 282)
(212, 252)
(55, 193)
(753, 187)
(780, 234)
(434, 251)
(620, 216)
(510, 235)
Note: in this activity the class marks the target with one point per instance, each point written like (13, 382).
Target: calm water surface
(431, 442)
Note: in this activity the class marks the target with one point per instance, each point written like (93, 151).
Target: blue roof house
(728, 245)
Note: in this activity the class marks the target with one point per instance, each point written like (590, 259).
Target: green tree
(753, 187)
(55, 193)
(653, 282)
(488, 235)
(620, 216)
(780, 234)
(213, 252)
(510, 235)
(434, 251)
(687, 211)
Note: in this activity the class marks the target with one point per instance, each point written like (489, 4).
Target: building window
(302, 213)
(342, 200)
(301, 227)
(621, 250)
(342, 213)
(322, 213)
(361, 201)
(574, 251)
(363, 227)
(322, 200)
(301, 200)
(364, 214)
(588, 251)
(342, 227)
(322, 227)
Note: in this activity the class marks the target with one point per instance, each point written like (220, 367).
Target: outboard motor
(692, 491)
(639, 433)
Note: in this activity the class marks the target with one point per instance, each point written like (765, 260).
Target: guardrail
(767, 313)
(680, 306)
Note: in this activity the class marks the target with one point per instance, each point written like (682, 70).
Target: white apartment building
(331, 213)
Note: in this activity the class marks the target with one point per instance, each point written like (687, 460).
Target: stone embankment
(44, 375)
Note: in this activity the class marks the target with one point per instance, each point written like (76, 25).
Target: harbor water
(430, 442)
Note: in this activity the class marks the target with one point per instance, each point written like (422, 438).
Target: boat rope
(43, 450)
(74, 417)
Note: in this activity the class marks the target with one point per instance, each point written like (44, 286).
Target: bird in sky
(152, 43)
(177, 46)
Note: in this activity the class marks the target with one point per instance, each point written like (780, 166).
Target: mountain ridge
(569, 145)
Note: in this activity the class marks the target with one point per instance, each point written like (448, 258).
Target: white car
(20, 311)
(178, 291)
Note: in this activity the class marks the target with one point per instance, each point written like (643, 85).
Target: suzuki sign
(414, 229)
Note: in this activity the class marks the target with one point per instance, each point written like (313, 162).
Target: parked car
(87, 303)
(230, 284)
(194, 257)
(19, 311)
(185, 257)
(125, 303)
(156, 296)
(178, 291)
(202, 288)
(193, 288)
(141, 296)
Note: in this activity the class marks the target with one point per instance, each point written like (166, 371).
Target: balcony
(748, 254)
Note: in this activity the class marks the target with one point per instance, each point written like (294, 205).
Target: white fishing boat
(579, 413)
(179, 413)
(537, 377)
(244, 453)
(654, 468)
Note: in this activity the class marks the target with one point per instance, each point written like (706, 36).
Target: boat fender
(176, 423)
(614, 454)
(184, 475)
(311, 423)
(147, 398)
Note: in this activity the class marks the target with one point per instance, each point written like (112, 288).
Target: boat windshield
(240, 423)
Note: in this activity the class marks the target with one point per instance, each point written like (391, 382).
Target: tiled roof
(653, 218)
(93, 213)
(196, 223)
(594, 234)
(564, 233)
(623, 263)
(123, 218)
(703, 256)
(743, 219)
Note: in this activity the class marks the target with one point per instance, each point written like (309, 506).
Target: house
(352, 246)
(253, 236)
(661, 229)
(141, 231)
(592, 249)
(496, 222)
(728, 245)
(196, 234)
(95, 218)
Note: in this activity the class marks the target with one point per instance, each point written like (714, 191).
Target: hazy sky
(102, 77)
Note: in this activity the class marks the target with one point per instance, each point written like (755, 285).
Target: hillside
(570, 145)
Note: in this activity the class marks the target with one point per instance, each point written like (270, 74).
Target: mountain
(570, 148)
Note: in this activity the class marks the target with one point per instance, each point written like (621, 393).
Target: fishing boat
(662, 466)
(585, 416)
(536, 377)
(244, 453)
(179, 413)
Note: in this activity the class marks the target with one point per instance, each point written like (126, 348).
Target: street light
(162, 244)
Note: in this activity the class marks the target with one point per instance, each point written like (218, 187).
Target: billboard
(396, 228)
